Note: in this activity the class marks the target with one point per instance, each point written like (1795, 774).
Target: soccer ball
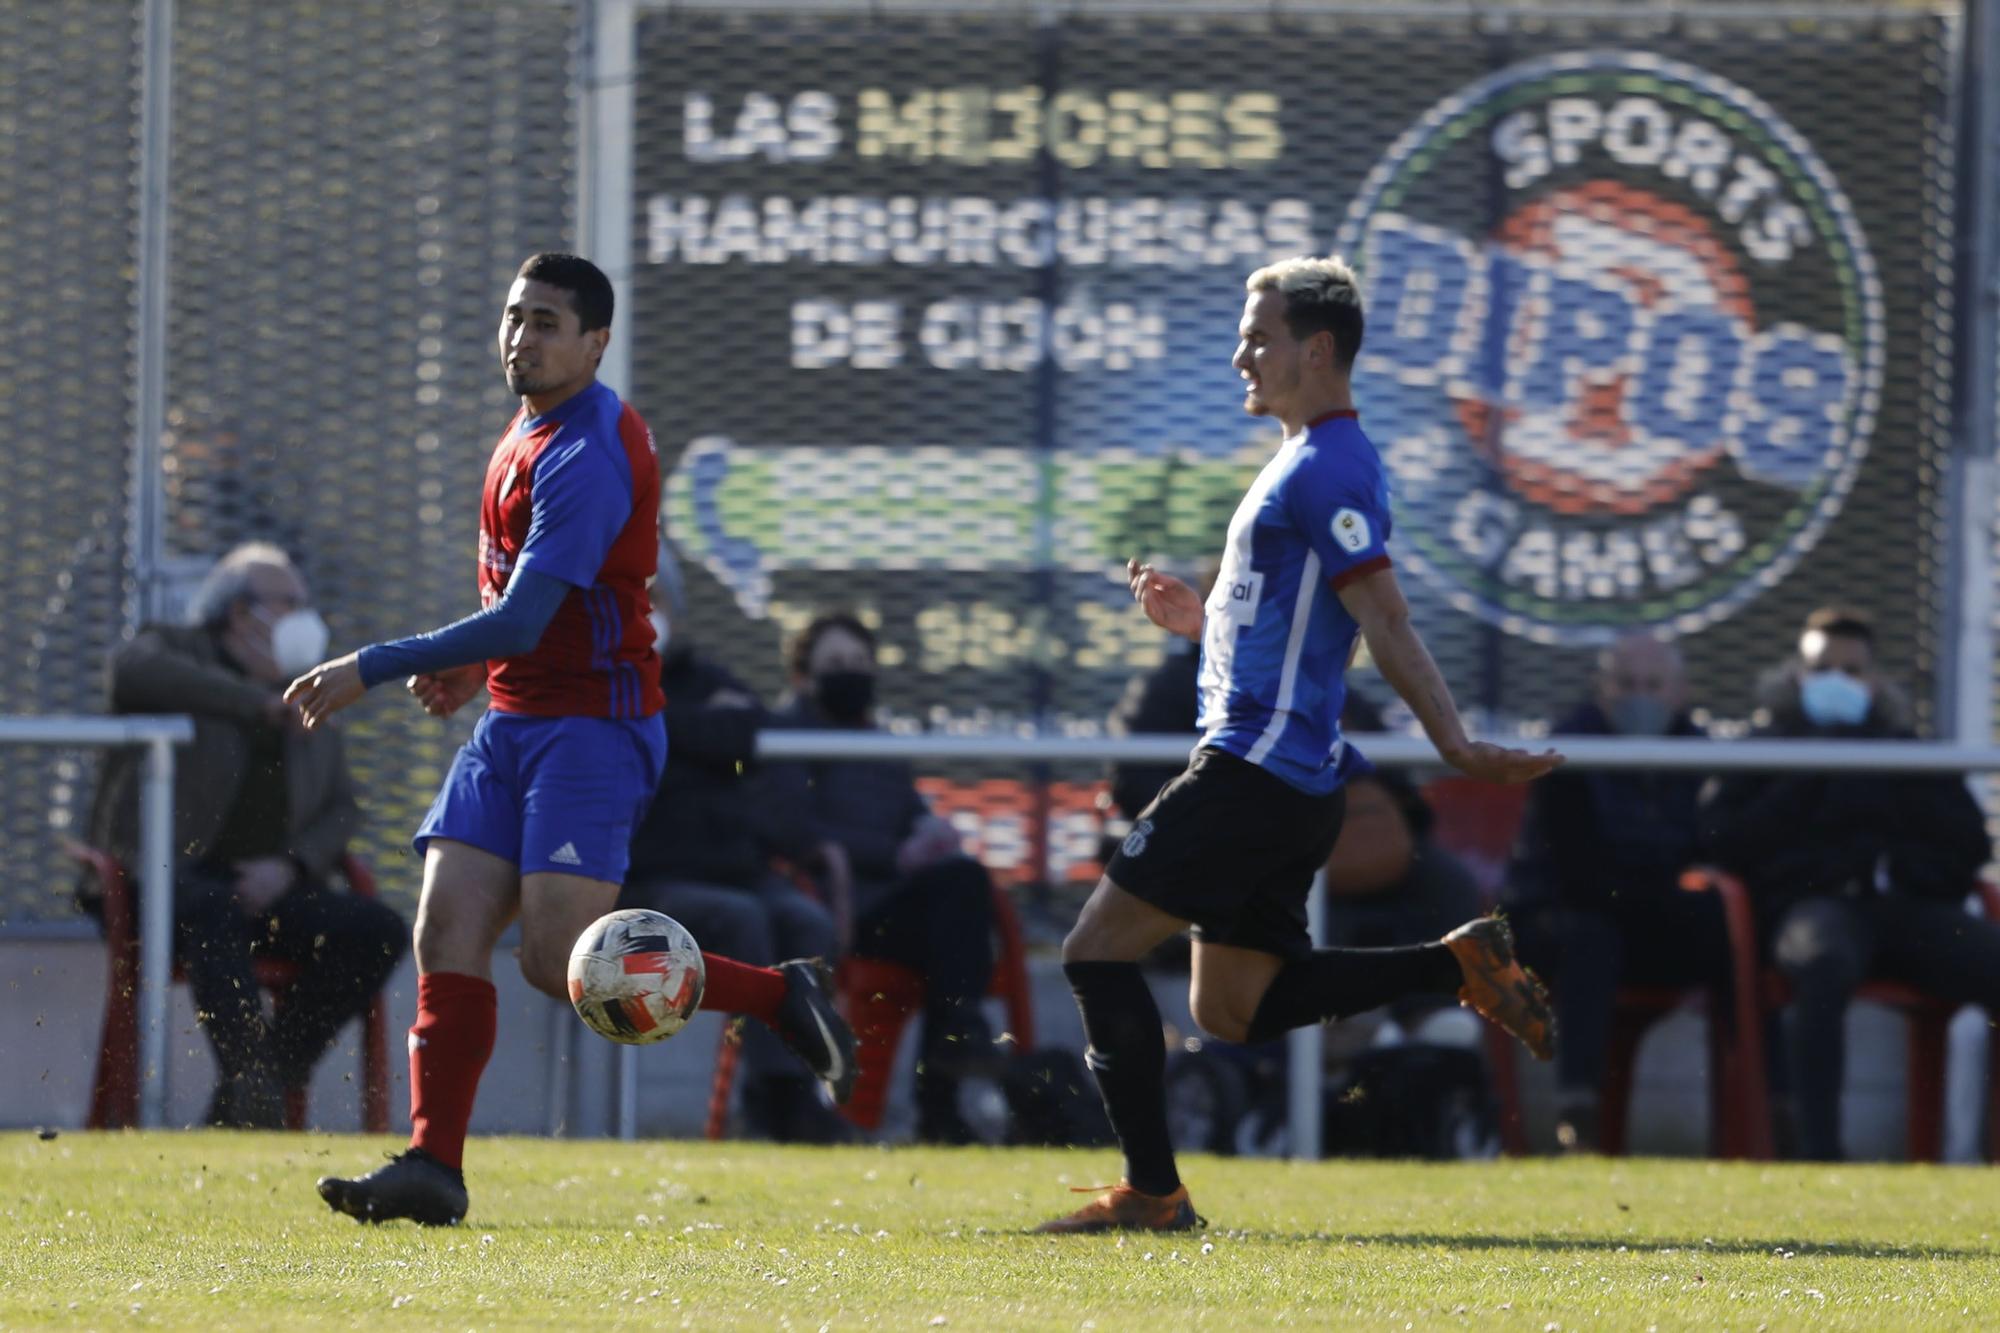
(636, 976)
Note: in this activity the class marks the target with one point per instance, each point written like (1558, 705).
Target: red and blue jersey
(574, 494)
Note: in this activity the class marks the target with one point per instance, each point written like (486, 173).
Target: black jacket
(1591, 836)
(710, 821)
(867, 806)
(1796, 835)
(183, 669)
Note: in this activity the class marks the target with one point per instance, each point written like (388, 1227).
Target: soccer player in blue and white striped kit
(1229, 848)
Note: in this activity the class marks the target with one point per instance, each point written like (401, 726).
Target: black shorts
(1232, 848)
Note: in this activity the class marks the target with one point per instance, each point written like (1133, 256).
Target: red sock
(738, 988)
(449, 1046)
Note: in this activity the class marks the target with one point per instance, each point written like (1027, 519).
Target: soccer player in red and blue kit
(537, 812)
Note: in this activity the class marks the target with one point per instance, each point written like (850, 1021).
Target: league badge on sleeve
(1350, 529)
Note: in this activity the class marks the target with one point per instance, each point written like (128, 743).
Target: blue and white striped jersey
(1277, 641)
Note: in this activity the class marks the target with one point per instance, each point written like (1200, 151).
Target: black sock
(1333, 983)
(1129, 1057)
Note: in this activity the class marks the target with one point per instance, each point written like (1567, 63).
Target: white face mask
(298, 641)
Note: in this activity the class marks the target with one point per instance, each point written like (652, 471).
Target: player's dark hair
(589, 290)
(799, 657)
(1842, 622)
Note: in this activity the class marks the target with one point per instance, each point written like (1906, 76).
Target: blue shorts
(551, 793)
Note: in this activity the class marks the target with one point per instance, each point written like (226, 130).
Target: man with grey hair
(1594, 888)
(1229, 848)
(263, 810)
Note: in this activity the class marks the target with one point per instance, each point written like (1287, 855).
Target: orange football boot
(1121, 1208)
(1498, 987)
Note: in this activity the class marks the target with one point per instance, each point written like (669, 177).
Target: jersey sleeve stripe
(593, 616)
(607, 619)
(602, 620)
(608, 610)
(1288, 679)
(1359, 571)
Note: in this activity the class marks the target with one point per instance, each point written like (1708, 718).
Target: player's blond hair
(1321, 295)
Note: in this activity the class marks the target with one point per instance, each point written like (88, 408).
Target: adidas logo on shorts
(565, 855)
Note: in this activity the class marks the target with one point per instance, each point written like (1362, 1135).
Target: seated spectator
(1855, 875)
(1594, 891)
(1388, 882)
(918, 899)
(263, 810)
(704, 854)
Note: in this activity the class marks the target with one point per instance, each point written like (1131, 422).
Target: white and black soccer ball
(636, 976)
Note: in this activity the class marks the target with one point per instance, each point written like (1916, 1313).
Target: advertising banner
(934, 319)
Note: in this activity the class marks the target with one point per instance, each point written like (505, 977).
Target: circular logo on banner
(1625, 344)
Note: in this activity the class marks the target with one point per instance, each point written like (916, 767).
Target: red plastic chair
(1636, 1010)
(114, 1095)
(877, 998)
(1760, 990)
(1478, 822)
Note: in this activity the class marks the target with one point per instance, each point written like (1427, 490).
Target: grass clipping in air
(210, 1231)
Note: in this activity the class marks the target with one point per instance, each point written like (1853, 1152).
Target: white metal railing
(1304, 1046)
(1683, 753)
(155, 869)
(160, 734)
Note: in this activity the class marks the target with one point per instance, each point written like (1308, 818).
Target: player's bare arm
(326, 689)
(332, 686)
(1167, 601)
(1376, 602)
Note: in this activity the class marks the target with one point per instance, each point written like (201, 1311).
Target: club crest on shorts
(1135, 841)
(1640, 396)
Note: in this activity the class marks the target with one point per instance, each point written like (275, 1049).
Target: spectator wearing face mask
(263, 810)
(918, 899)
(1593, 888)
(1855, 875)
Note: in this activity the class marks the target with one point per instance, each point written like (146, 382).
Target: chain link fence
(352, 187)
(1659, 307)
(68, 126)
(931, 313)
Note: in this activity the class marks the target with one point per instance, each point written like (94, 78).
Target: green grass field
(208, 1230)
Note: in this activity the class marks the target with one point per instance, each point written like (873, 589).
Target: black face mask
(845, 696)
